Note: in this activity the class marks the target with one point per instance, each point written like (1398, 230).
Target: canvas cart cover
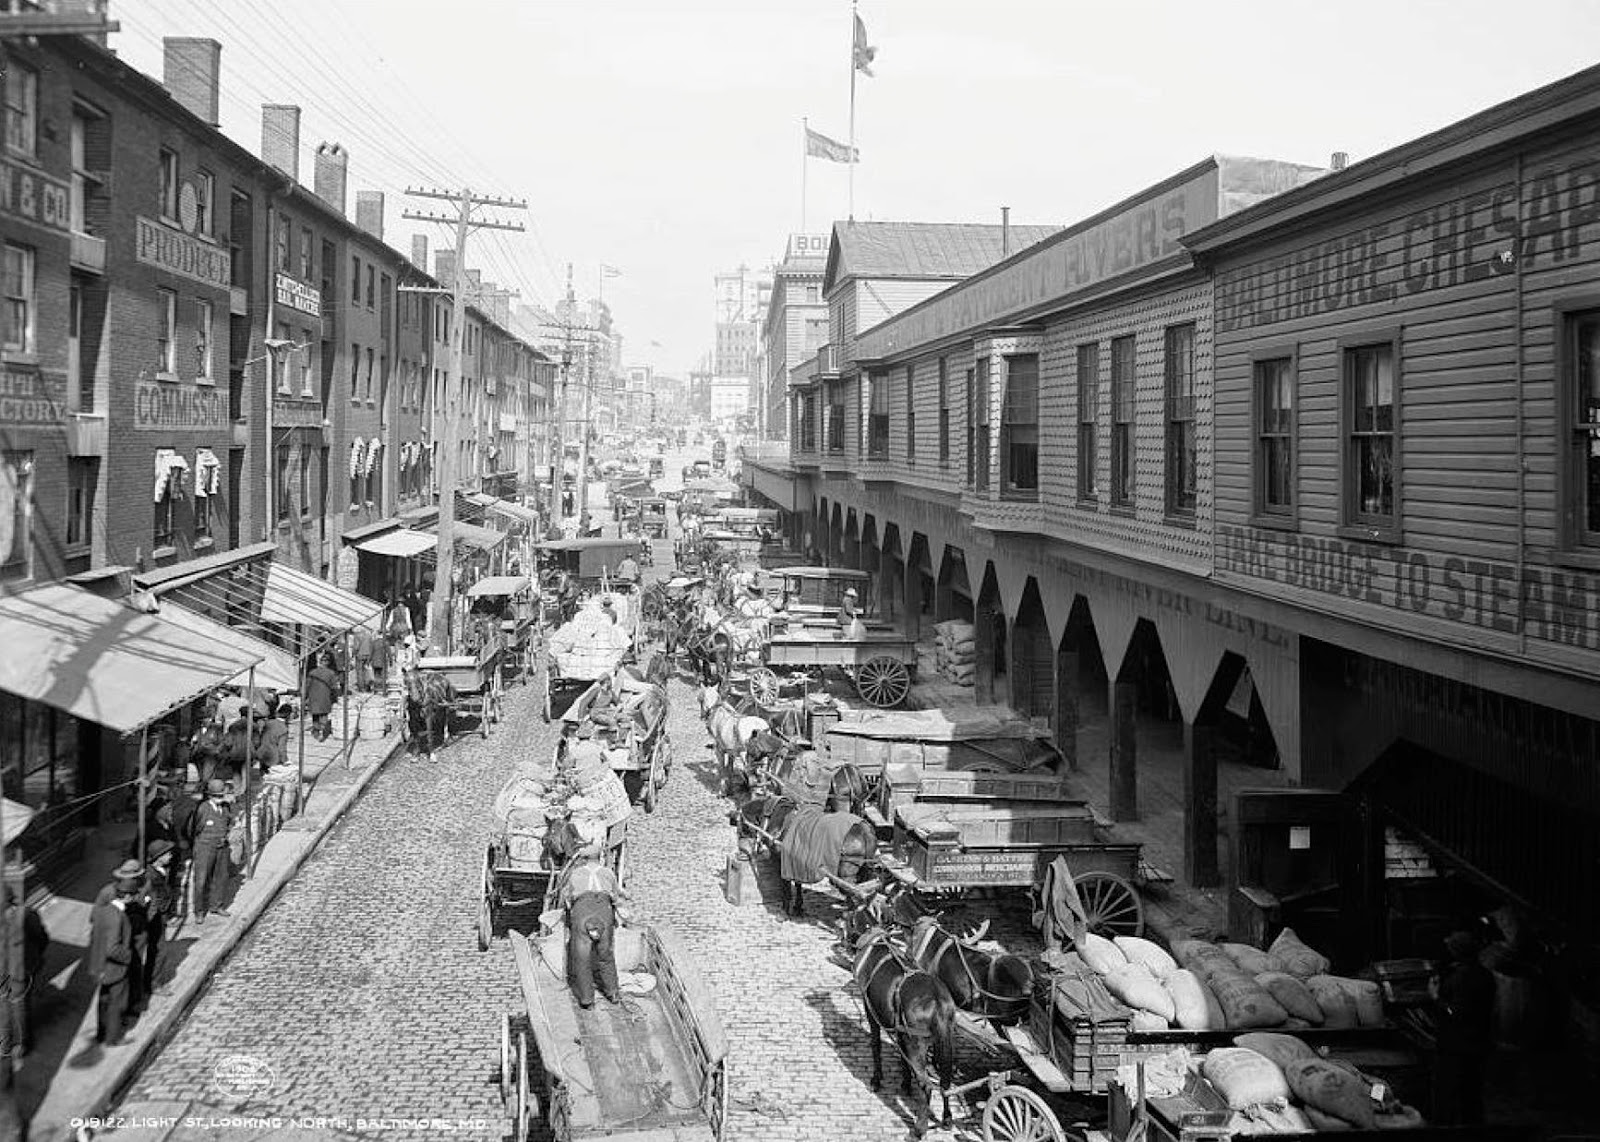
(812, 841)
(937, 725)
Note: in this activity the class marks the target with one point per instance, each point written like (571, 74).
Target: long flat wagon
(880, 664)
(477, 678)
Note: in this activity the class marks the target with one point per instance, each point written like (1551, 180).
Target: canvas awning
(277, 670)
(105, 662)
(472, 535)
(401, 544)
(499, 585)
(292, 596)
(514, 511)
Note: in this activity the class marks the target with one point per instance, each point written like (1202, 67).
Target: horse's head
(709, 697)
(857, 852)
(847, 790)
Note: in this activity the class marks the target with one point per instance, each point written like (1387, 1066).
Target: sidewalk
(67, 1075)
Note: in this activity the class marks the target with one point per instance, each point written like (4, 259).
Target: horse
(429, 700)
(847, 790)
(731, 731)
(811, 844)
(993, 984)
(914, 1007)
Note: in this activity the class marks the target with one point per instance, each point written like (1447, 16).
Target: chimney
(369, 212)
(1341, 159)
(444, 268)
(191, 69)
(419, 251)
(280, 138)
(331, 174)
(1005, 232)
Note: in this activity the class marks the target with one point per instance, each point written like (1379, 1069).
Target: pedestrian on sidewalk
(237, 745)
(361, 660)
(272, 743)
(27, 942)
(210, 827)
(112, 960)
(157, 901)
(322, 687)
(382, 652)
(591, 897)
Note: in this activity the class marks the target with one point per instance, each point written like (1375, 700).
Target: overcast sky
(663, 137)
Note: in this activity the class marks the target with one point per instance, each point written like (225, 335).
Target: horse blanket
(812, 842)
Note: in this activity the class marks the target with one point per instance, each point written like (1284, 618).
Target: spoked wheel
(763, 686)
(485, 924)
(1111, 906)
(883, 681)
(505, 1060)
(1016, 1114)
(716, 1099)
(527, 1104)
(647, 795)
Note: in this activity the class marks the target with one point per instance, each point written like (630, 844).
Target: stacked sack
(1277, 1079)
(956, 651)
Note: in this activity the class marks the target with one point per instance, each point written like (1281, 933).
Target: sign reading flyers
(297, 295)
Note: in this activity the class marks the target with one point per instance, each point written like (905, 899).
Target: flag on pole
(609, 271)
(821, 147)
(864, 52)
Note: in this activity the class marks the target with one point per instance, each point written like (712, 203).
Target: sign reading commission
(178, 253)
(165, 405)
(297, 295)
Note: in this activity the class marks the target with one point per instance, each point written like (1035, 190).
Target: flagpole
(805, 166)
(852, 156)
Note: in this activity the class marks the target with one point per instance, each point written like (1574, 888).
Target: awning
(105, 662)
(499, 585)
(356, 534)
(277, 670)
(292, 596)
(15, 817)
(480, 537)
(515, 511)
(400, 544)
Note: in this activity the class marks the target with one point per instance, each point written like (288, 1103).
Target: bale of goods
(1367, 997)
(1193, 954)
(1102, 956)
(1292, 995)
(1148, 953)
(1244, 1078)
(1191, 1002)
(1281, 1049)
(1338, 1006)
(1324, 1123)
(1297, 957)
(1148, 1021)
(1134, 985)
(1245, 1003)
(1215, 1019)
(1253, 960)
(1334, 1090)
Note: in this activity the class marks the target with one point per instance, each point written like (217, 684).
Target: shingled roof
(928, 251)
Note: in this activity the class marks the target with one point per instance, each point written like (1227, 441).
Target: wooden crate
(1086, 1051)
(983, 826)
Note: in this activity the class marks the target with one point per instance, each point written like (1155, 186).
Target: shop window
(1019, 425)
(22, 108)
(1371, 443)
(166, 510)
(166, 333)
(204, 320)
(944, 410)
(1181, 447)
(911, 414)
(39, 750)
(16, 477)
(1122, 418)
(1581, 384)
(981, 434)
(205, 196)
(83, 473)
(1273, 382)
(19, 335)
(1088, 420)
(202, 516)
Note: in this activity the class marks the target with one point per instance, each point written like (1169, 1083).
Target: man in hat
(209, 830)
(590, 895)
(152, 909)
(272, 741)
(113, 962)
(322, 686)
(608, 607)
(628, 570)
(753, 604)
(849, 614)
(585, 750)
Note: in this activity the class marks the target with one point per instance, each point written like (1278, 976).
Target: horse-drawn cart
(477, 680)
(652, 1068)
(641, 749)
(880, 664)
(590, 646)
(511, 600)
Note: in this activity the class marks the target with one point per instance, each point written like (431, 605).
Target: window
(81, 179)
(82, 476)
(204, 315)
(19, 299)
(878, 415)
(280, 359)
(1122, 391)
(944, 410)
(16, 472)
(166, 329)
(355, 372)
(372, 288)
(1181, 454)
(1370, 447)
(813, 294)
(22, 108)
(283, 482)
(355, 279)
(1019, 424)
(808, 422)
(911, 414)
(202, 508)
(1582, 383)
(307, 270)
(1088, 419)
(307, 364)
(981, 441)
(166, 510)
(169, 184)
(836, 418)
(205, 194)
(369, 375)
(1274, 475)
(967, 404)
(305, 484)
(280, 246)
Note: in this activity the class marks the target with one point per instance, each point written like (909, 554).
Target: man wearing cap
(113, 962)
(590, 894)
(754, 604)
(585, 750)
(209, 828)
(152, 909)
(628, 570)
(849, 615)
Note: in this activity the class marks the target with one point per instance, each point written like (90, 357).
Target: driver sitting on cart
(627, 571)
(592, 899)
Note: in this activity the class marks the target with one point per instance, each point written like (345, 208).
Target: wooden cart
(880, 664)
(642, 753)
(477, 680)
(514, 877)
(518, 608)
(653, 1069)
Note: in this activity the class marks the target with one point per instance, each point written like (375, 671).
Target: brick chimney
(331, 174)
(419, 251)
(369, 212)
(444, 268)
(280, 138)
(191, 69)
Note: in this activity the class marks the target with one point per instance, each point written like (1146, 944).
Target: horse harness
(922, 943)
(880, 938)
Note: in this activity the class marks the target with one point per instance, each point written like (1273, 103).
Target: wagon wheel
(763, 686)
(545, 710)
(883, 681)
(485, 924)
(716, 1099)
(505, 1059)
(485, 712)
(527, 1104)
(620, 868)
(1111, 906)
(648, 793)
(1016, 1114)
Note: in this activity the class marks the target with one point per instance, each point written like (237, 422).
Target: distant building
(794, 327)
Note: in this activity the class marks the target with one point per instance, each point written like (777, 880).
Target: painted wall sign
(296, 414)
(165, 405)
(1552, 605)
(178, 253)
(297, 295)
(29, 397)
(34, 197)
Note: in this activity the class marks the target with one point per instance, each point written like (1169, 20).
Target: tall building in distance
(793, 327)
(742, 297)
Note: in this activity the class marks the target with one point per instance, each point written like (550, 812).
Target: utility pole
(464, 222)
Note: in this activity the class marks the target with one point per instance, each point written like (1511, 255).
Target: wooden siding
(879, 299)
(1476, 561)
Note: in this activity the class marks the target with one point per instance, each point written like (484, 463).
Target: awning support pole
(300, 768)
(144, 749)
(344, 688)
(249, 763)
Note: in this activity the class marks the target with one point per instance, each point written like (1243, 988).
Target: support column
(1067, 718)
(912, 587)
(983, 656)
(1200, 805)
(1124, 752)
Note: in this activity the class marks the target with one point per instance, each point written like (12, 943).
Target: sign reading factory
(297, 295)
(163, 405)
(34, 197)
(179, 253)
(29, 397)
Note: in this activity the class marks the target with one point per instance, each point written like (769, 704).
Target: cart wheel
(883, 681)
(763, 686)
(527, 1104)
(716, 1099)
(485, 924)
(505, 1059)
(1016, 1114)
(648, 794)
(1111, 906)
(544, 711)
(620, 871)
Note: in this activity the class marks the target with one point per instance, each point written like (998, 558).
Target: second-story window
(1088, 419)
(355, 372)
(372, 288)
(911, 413)
(169, 184)
(1580, 392)
(1181, 451)
(1019, 424)
(19, 333)
(1123, 370)
(878, 419)
(1369, 391)
(1274, 453)
(944, 410)
(280, 246)
(355, 278)
(205, 202)
(836, 418)
(166, 332)
(22, 108)
(306, 267)
(982, 440)
(308, 363)
(204, 317)
(87, 128)
(369, 375)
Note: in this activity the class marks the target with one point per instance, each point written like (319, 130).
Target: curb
(119, 1075)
